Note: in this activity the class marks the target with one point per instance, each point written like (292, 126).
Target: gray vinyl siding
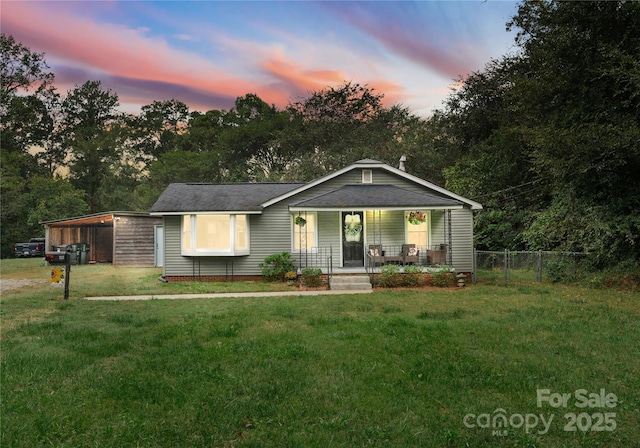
(462, 237)
(271, 232)
(438, 225)
(386, 228)
(385, 177)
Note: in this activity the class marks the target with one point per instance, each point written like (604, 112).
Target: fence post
(539, 266)
(474, 274)
(506, 265)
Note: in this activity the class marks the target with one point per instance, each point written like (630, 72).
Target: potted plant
(300, 221)
(290, 277)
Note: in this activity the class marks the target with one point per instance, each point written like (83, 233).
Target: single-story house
(120, 238)
(351, 220)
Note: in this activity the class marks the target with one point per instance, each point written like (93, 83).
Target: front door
(159, 245)
(352, 239)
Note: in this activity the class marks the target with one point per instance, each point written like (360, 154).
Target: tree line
(546, 138)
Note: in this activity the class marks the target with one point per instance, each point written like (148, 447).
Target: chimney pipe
(402, 160)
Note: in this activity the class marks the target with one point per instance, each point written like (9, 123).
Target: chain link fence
(526, 266)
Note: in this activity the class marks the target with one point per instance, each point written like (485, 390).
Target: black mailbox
(54, 257)
(57, 257)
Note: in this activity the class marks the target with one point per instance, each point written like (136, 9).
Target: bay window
(211, 235)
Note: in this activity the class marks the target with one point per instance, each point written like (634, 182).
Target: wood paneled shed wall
(134, 240)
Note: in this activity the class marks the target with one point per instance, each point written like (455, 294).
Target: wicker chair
(410, 255)
(376, 254)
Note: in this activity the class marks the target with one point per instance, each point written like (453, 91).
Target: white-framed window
(211, 235)
(305, 237)
(367, 176)
(418, 234)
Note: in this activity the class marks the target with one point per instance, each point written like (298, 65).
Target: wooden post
(67, 266)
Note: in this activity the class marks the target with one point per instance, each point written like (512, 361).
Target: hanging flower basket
(300, 221)
(416, 218)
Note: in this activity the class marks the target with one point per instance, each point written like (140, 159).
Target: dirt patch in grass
(8, 284)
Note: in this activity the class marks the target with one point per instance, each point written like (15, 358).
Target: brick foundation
(213, 278)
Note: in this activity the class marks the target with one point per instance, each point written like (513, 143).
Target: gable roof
(370, 164)
(375, 196)
(179, 198)
(182, 198)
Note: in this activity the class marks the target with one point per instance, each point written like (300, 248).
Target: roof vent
(402, 160)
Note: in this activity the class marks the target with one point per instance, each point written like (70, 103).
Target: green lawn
(392, 368)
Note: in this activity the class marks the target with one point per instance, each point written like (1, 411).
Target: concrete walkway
(228, 294)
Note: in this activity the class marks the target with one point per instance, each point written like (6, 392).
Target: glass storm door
(352, 239)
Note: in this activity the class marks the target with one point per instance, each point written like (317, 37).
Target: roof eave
(95, 215)
(208, 212)
(361, 208)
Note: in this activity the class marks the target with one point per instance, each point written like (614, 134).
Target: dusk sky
(207, 53)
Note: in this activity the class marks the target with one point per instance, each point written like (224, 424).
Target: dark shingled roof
(376, 195)
(219, 197)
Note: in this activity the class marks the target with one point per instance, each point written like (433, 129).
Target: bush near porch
(393, 276)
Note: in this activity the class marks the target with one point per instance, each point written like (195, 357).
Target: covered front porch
(362, 241)
(365, 226)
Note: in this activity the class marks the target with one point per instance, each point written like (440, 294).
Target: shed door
(159, 245)
(352, 239)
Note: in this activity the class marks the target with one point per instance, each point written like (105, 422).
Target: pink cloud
(301, 80)
(305, 81)
(118, 52)
(140, 68)
(404, 34)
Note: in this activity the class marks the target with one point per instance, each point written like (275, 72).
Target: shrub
(442, 277)
(312, 277)
(563, 270)
(276, 266)
(389, 276)
(412, 275)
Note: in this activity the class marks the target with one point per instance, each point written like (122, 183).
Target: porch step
(350, 283)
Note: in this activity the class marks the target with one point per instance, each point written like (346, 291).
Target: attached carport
(120, 238)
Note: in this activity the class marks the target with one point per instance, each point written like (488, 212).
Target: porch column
(449, 238)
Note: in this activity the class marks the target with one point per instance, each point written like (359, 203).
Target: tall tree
(53, 199)
(25, 81)
(251, 140)
(548, 137)
(93, 132)
(339, 125)
(21, 70)
(584, 100)
(157, 129)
